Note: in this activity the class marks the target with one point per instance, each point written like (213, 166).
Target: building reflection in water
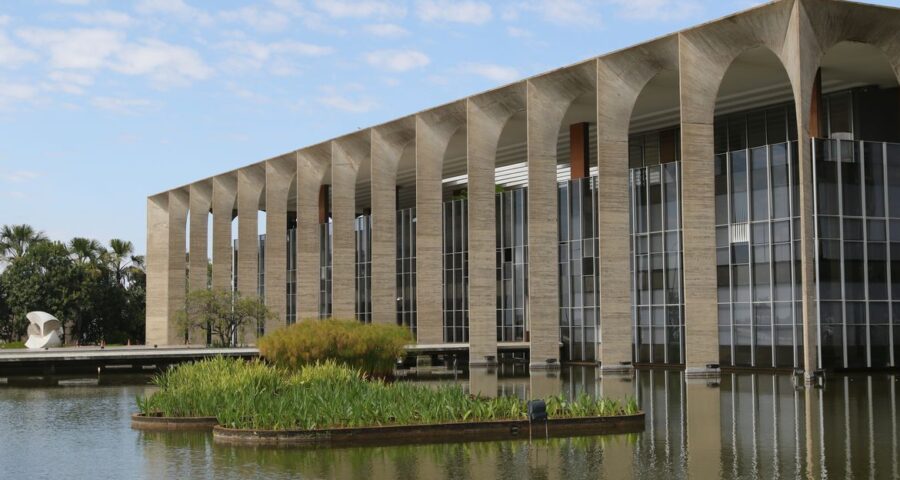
(747, 425)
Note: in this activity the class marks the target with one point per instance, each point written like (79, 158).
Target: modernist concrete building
(728, 195)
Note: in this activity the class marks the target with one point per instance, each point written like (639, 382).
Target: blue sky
(104, 102)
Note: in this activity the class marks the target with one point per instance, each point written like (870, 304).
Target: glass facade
(362, 229)
(658, 305)
(325, 236)
(456, 271)
(579, 270)
(512, 265)
(757, 238)
(406, 269)
(857, 200)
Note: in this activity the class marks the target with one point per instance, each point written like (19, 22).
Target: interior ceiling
(756, 77)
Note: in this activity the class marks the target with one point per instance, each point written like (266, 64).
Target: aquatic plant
(253, 394)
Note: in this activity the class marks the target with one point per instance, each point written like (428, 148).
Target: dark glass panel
(893, 181)
(830, 269)
(877, 271)
(851, 181)
(721, 187)
(854, 271)
(826, 178)
(874, 179)
(759, 178)
(739, 187)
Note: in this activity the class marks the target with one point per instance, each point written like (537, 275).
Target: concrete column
(348, 154)
(485, 117)
(434, 129)
(200, 203)
(313, 164)
(621, 77)
(548, 100)
(250, 185)
(166, 268)
(280, 174)
(387, 145)
(224, 193)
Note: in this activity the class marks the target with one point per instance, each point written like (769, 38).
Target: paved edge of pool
(434, 433)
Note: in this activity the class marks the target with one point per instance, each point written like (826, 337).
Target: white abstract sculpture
(43, 331)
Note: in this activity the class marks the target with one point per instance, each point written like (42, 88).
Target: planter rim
(486, 423)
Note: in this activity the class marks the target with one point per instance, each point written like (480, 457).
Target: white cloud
(659, 10)
(176, 8)
(12, 55)
(16, 92)
(262, 20)
(340, 102)
(497, 73)
(120, 105)
(166, 64)
(386, 30)
(569, 13)
(77, 48)
(19, 176)
(467, 11)
(397, 60)
(517, 32)
(278, 56)
(360, 8)
(104, 17)
(70, 82)
(4, 20)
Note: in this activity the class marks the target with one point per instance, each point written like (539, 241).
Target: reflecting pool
(738, 426)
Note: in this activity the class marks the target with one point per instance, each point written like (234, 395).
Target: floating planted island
(330, 404)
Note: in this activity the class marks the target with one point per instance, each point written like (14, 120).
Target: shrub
(372, 348)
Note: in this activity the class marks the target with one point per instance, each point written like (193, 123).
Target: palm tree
(86, 250)
(16, 239)
(121, 257)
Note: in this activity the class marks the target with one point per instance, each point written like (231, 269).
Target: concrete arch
(348, 156)
(621, 77)
(434, 129)
(166, 222)
(705, 54)
(486, 116)
(280, 173)
(313, 171)
(548, 99)
(388, 142)
(224, 196)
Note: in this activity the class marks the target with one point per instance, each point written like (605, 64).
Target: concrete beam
(548, 99)
(387, 145)
(313, 164)
(224, 194)
(280, 175)
(434, 129)
(198, 276)
(251, 182)
(485, 117)
(347, 156)
(621, 78)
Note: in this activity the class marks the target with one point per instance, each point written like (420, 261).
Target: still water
(740, 426)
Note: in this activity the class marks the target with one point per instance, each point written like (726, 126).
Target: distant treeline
(96, 291)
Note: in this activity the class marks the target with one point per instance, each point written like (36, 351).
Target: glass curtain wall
(858, 257)
(406, 269)
(456, 271)
(657, 295)
(757, 239)
(325, 244)
(579, 267)
(362, 228)
(512, 265)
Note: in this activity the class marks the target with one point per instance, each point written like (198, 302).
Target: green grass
(252, 394)
(12, 345)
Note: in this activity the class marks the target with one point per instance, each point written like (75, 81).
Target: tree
(43, 278)
(16, 239)
(86, 251)
(222, 313)
(120, 257)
